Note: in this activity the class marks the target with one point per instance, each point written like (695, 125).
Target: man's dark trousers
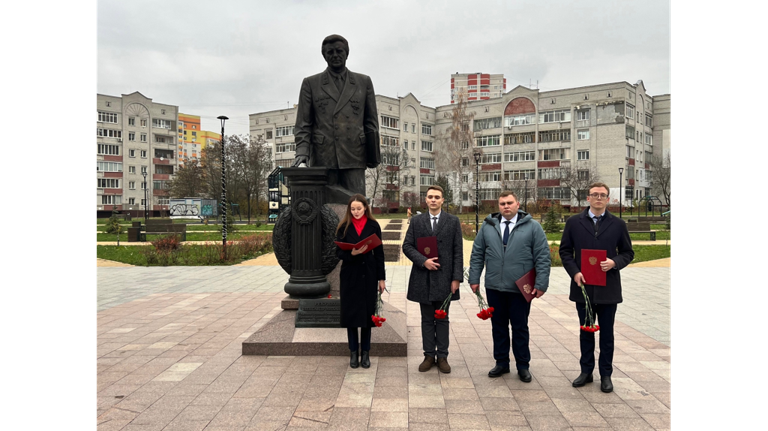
(510, 308)
(606, 314)
(434, 332)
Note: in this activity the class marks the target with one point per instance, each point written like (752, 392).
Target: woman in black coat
(362, 272)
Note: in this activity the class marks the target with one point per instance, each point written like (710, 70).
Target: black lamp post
(621, 183)
(146, 201)
(477, 191)
(223, 188)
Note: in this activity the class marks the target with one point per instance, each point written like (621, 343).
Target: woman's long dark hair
(347, 220)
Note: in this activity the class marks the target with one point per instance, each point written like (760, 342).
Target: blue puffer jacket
(527, 248)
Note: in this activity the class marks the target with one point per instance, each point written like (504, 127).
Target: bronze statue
(337, 126)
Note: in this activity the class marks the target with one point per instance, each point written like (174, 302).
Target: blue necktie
(506, 232)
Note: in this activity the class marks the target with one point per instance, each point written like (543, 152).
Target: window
(583, 175)
(143, 169)
(131, 153)
(555, 116)
(582, 135)
(582, 115)
(132, 121)
(648, 120)
(487, 123)
(554, 154)
(131, 201)
(473, 87)
(489, 194)
(109, 167)
(285, 147)
(405, 144)
(520, 120)
(490, 176)
(520, 156)
(131, 136)
(524, 174)
(107, 117)
(582, 155)
(426, 146)
(143, 122)
(160, 139)
(390, 122)
(164, 169)
(550, 173)
(108, 183)
(143, 202)
(465, 178)
(554, 193)
(143, 154)
(464, 161)
(143, 137)
(426, 129)
(131, 169)
(160, 123)
(108, 104)
(519, 138)
(143, 185)
(490, 158)
(132, 184)
(390, 159)
(405, 127)
(164, 154)
(465, 196)
(109, 133)
(160, 185)
(630, 111)
(427, 180)
(389, 141)
(427, 163)
(279, 131)
(269, 134)
(649, 139)
(194, 135)
(391, 177)
(111, 200)
(488, 141)
(555, 136)
(464, 145)
(112, 150)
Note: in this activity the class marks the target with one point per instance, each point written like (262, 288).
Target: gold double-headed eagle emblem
(592, 260)
(427, 250)
(527, 288)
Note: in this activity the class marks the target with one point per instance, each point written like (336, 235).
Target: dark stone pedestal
(280, 337)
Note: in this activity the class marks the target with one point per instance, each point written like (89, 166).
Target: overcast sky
(236, 58)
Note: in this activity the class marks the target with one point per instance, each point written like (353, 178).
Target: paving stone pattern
(169, 358)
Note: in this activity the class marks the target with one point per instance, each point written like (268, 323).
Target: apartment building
(478, 86)
(526, 136)
(134, 135)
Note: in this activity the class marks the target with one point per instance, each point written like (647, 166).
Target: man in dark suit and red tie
(596, 229)
(337, 124)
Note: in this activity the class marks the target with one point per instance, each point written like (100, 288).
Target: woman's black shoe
(353, 359)
(365, 361)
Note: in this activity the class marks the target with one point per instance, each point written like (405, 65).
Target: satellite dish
(161, 159)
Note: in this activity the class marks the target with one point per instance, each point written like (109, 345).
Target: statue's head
(335, 50)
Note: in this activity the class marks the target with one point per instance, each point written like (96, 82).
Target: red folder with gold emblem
(427, 246)
(526, 284)
(372, 242)
(590, 266)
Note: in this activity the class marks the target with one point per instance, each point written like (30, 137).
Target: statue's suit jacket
(338, 130)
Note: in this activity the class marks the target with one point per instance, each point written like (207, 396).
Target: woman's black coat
(359, 277)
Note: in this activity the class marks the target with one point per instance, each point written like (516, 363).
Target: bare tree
(456, 149)
(390, 175)
(251, 164)
(188, 181)
(661, 180)
(524, 190)
(577, 179)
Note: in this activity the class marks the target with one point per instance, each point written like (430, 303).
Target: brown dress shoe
(442, 365)
(427, 363)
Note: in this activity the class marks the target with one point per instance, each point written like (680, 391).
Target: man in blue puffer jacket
(510, 243)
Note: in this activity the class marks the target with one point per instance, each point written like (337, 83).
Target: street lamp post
(477, 191)
(621, 183)
(223, 189)
(146, 201)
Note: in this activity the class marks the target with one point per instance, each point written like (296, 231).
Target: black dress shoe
(582, 380)
(605, 384)
(525, 375)
(365, 361)
(497, 371)
(353, 359)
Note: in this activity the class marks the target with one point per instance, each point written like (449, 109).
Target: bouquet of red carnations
(486, 312)
(440, 313)
(377, 319)
(589, 321)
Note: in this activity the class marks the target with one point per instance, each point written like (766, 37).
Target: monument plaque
(319, 313)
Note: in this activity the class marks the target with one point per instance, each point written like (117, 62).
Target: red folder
(526, 284)
(427, 246)
(590, 266)
(372, 242)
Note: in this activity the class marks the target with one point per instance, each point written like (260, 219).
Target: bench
(641, 227)
(164, 226)
(652, 219)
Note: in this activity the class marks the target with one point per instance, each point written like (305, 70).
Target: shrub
(113, 225)
(554, 254)
(468, 231)
(167, 243)
(210, 253)
(551, 222)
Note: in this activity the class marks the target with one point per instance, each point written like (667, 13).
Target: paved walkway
(169, 358)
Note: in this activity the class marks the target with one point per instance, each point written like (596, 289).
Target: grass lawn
(135, 255)
(660, 236)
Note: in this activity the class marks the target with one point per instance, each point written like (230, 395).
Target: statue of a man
(337, 125)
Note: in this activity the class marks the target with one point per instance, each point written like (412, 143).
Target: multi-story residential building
(189, 141)
(134, 135)
(524, 135)
(478, 86)
(206, 138)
